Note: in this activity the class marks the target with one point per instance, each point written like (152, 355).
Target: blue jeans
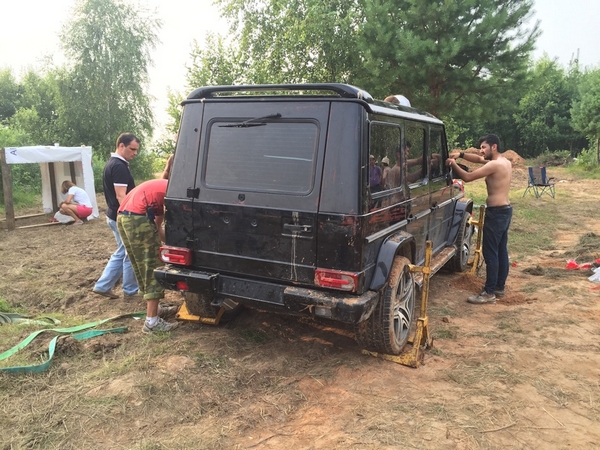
(495, 250)
(118, 265)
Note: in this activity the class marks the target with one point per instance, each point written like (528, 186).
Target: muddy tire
(200, 306)
(388, 328)
(464, 241)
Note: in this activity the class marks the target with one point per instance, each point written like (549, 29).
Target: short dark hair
(490, 139)
(126, 139)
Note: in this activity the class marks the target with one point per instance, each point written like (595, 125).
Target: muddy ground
(521, 374)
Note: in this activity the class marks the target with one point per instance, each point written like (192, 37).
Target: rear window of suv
(266, 157)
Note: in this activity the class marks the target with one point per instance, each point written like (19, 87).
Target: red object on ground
(572, 265)
(586, 266)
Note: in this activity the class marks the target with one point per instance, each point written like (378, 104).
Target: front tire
(388, 328)
(464, 240)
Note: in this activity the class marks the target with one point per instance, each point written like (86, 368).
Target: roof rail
(343, 90)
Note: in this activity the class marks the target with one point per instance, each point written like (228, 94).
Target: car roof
(307, 92)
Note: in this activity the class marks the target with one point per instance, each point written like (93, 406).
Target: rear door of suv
(257, 183)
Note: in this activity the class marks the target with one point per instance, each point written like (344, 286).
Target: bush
(553, 159)
(587, 160)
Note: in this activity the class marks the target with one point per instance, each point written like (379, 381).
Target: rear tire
(200, 306)
(388, 328)
(464, 240)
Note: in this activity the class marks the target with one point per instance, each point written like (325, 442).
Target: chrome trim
(382, 233)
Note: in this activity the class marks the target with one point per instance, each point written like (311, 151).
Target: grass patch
(510, 326)
(473, 373)
(5, 306)
(445, 333)
(257, 337)
(442, 311)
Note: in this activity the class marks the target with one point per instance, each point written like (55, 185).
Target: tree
(216, 64)
(295, 41)
(38, 112)
(543, 116)
(446, 55)
(586, 111)
(108, 43)
(10, 93)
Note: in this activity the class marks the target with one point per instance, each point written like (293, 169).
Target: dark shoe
(499, 293)
(109, 293)
(167, 311)
(161, 325)
(482, 298)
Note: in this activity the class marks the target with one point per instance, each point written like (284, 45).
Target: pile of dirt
(514, 158)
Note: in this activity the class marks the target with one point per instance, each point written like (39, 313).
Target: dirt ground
(521, 374)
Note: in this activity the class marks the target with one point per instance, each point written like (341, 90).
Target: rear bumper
(341, 307)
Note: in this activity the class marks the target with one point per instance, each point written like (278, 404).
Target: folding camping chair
(539, 183)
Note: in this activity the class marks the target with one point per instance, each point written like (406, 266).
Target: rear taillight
(182, 286)
(336, 279)
(176, 255)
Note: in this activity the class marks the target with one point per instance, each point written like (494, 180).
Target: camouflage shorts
(141, 240)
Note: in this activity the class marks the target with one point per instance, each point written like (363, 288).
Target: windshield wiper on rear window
(255, 122)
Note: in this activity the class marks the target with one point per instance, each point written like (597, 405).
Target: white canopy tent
(57, 165)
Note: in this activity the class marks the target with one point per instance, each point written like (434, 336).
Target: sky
(29, 33)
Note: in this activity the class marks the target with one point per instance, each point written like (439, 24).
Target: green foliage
(11, 138)
(543, 117)
(549, 159)
(104, 91)
(98, 163)
(586, 110)
(9, 94)
(587, 160)
(215, 64)
(4, 306)
(446, 57)
(296, 41)
(142, 166)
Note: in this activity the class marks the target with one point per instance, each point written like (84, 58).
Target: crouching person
(77, 204)
(139, 221)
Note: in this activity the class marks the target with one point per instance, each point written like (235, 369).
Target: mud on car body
(271, 204)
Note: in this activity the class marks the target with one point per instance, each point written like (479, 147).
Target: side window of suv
(384, 163)
(415, 154)
(437, 167)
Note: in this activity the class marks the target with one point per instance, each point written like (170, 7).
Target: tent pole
(72, 169)
(53, 186)
(8, 196)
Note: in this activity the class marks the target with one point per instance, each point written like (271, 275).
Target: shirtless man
(497, 171)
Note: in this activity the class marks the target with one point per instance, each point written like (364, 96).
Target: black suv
(278, 199)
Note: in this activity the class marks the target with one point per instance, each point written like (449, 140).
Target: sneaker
(499, 293)
(167, 311)
(161, 325)
(79, 222)
(133, 297)
(482, 298)
(109, 293)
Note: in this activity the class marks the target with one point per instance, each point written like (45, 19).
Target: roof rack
(343, 90)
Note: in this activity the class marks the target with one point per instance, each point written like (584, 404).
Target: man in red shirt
(139, 222)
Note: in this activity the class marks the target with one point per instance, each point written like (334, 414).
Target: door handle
(297, 227)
